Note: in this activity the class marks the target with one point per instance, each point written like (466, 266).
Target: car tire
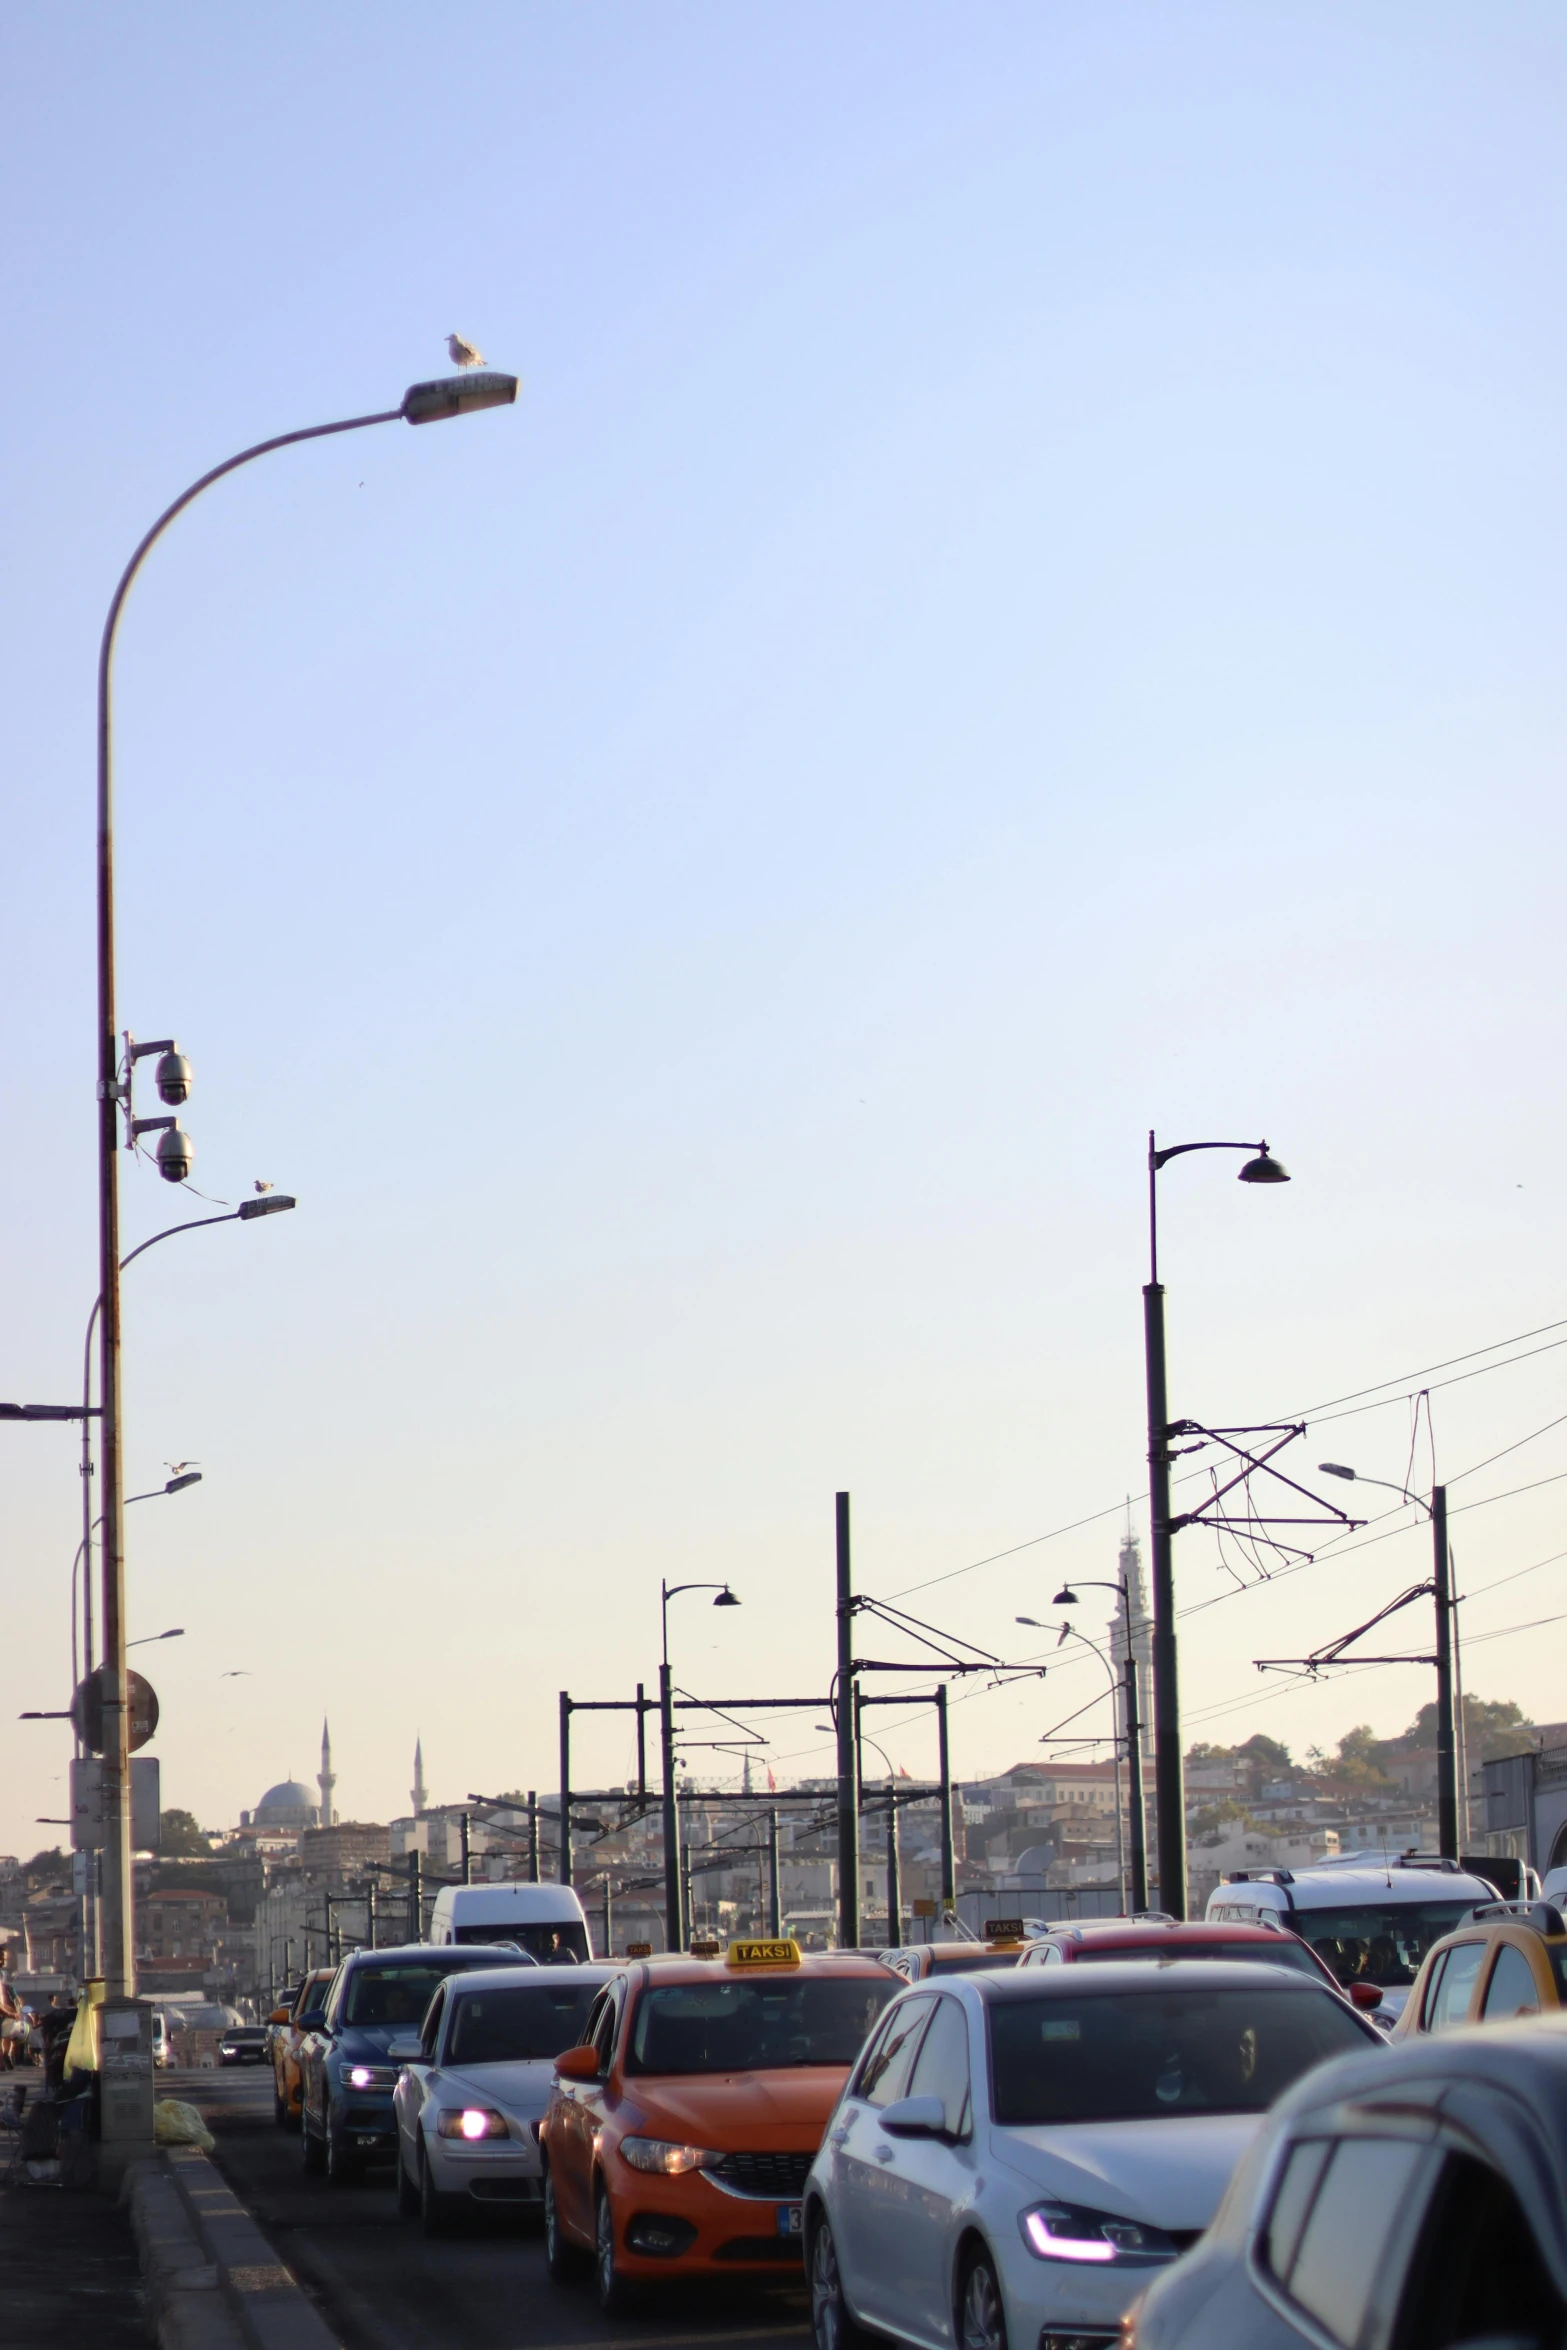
(565, 2261)
(616, 2298)
(982, 2316)
(833, 2324)
(438, 2213)
(407, 2189)
(312, 2152)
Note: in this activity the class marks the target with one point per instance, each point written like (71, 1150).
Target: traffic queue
(1128, 2131)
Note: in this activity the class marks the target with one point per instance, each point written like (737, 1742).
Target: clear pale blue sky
(1022, 600)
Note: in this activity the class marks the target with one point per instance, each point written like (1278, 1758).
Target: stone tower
(326, 1780)
(420, 1793)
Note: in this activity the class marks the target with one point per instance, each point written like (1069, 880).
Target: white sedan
(1015, 2153)
(475, 2083)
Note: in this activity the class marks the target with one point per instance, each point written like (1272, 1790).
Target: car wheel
(437, 2212)
(561, 2257)
(616, 2297)
(833, 2327)
(982, 2321)
(407, 2189)
(342, 2168)
(312, 2152)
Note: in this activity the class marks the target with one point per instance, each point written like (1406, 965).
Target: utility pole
(415, 1900)
(774, 1897)
(609, 1917)
(674, 1917)
(1169, 1789)
(949, 1889)
(848, 1777)
(1446, 1739)
(467, 1851)
(1138, 1821)
(894, 1884)
(565, 1788)
(533, 1837)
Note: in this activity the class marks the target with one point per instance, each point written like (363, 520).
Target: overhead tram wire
(1316, 1414)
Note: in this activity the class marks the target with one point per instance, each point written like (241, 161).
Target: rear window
(391, 1994)
(1138, 2055)
(1269, 1953)
(562, 1945)
(974, 1962)
(728, 2027)
(1382, 1945)
(512, 2026)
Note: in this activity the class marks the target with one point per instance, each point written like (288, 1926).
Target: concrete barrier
(213, 2281)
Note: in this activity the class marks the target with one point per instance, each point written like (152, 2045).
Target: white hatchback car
(1014, 2153)
(476, 2081)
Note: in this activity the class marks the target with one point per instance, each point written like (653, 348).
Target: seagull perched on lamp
(464, 354)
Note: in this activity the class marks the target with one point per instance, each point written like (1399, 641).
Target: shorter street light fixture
(178, 1633)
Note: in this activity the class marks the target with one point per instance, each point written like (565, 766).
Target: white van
(1368, 1916)
(545, 1921)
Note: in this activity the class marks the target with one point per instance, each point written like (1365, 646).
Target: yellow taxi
(287, 2033)
(1508, 1959)
(1003, 1946)
(680, 2130)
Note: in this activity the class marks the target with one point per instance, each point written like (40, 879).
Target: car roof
(1135, 1974)
(1134, 1930)
(450, 1954)
(593, 1973)
(861, 1965)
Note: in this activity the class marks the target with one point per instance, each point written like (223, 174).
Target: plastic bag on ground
(174, 2123)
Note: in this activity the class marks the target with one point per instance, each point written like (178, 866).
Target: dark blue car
(346, 2084)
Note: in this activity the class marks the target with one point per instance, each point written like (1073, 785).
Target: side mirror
(914, 2117)
(279, 2015)
(314, 2020)
(578, 2064)
(404, 2051)
(1364, 1995)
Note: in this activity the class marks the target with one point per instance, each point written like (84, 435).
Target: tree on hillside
(181, 1838)
(1359, 1759)
(1491, 1727)
(46, 1867)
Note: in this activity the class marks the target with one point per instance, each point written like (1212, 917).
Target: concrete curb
(213, 2281)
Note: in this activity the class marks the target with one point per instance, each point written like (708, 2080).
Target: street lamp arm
(1158, 1158)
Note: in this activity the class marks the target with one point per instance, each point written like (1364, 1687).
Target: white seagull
(261, 1183)
(464, 354)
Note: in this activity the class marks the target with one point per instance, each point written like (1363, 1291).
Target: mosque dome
(290, 1804)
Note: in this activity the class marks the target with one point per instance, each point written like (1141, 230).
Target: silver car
(475, 2083)
(1412, 2201)
(1014, 2153)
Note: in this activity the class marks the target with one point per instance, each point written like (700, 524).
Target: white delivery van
(1369, 1916)
(545, 1921)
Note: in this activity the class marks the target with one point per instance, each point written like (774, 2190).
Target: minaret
(1130, 1570)
(420, 1797)
(326, 1780)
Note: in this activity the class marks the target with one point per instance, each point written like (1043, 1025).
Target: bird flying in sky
(239, 1674)
(464, 354)
(178, 1468)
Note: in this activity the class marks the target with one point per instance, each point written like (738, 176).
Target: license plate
(790, 2219)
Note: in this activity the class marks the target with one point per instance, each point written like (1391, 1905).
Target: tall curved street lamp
(677, 1921)
(1169, 1792)
(1070, 1631)
(423, 403)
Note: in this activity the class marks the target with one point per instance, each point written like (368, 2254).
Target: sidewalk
(69, 2274)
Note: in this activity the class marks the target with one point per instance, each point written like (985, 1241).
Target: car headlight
(371, 2076)
(1069, 2231)
(472, 2122)
(664, 2156)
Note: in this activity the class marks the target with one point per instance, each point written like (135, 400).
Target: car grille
(777, 2175)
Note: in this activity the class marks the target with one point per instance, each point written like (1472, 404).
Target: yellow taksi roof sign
(763, 1954)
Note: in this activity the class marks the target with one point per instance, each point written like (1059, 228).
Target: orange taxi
(679, 2131)
(288, 2030)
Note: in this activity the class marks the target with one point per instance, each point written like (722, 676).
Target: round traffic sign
(87, 1710)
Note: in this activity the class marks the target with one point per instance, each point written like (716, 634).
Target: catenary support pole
(641, 1744)
(533, 1836)
(774, 1890)
(415, 1901)
(1137, 1816)
(674, 1924)
(848, 1777)
(894, 1882)
(949, 1888)
(565, 1788)
(1446, 1740)
(467, 1850)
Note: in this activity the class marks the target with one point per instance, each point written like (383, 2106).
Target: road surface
(383, 2285)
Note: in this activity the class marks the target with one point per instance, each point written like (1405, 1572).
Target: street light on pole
(676, 1920)
(1115, 1739)
(422, 404)
(1170, 1801)
(1132, 1730)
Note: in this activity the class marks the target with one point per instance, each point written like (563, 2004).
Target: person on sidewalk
(14, 2026)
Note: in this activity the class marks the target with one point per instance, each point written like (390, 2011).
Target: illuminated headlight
(372, 2076)
(663, 2156)
(471, 2122)
(1066, 2231)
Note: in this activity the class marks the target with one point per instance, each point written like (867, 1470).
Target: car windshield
(1140, 2055)
(391, 1994)
(557, 1945)
(1269, 1953)
(511, 2026)
(1379, 1945)
(760, 2026)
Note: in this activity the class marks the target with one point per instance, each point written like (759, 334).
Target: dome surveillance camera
(176, 1155)
(174, 1079)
